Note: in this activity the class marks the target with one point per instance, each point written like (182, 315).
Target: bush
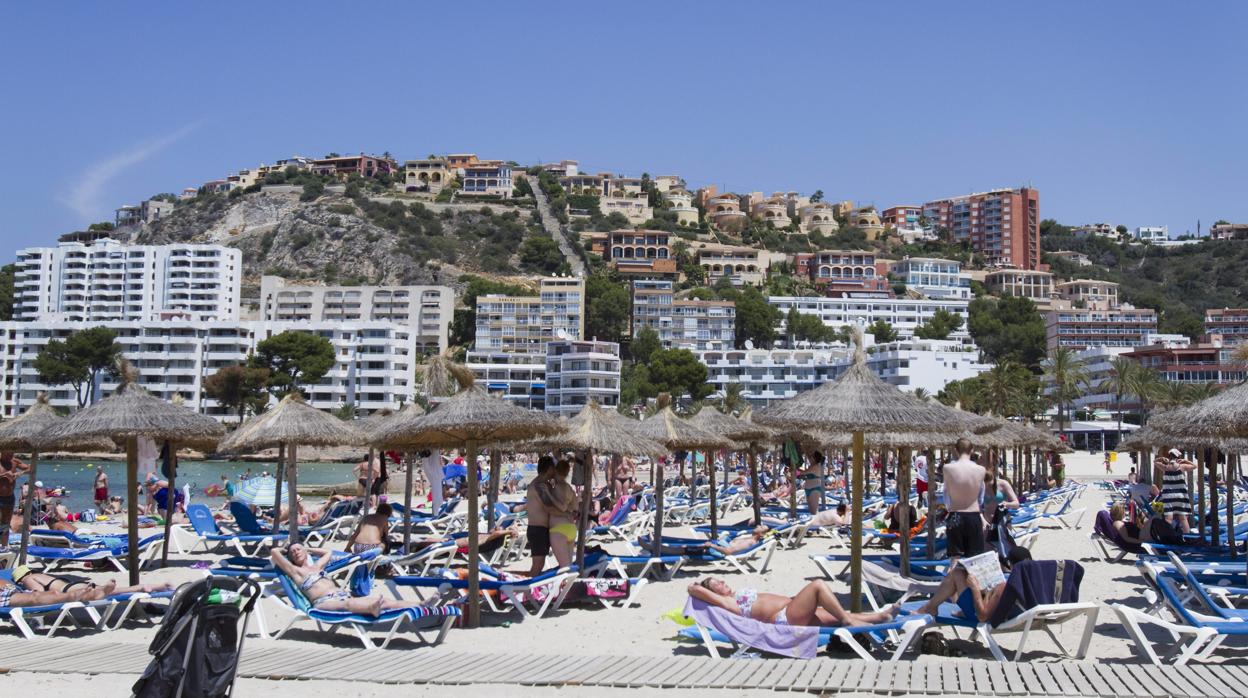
(312, 191)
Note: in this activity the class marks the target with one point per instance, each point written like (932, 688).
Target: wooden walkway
(823, 675)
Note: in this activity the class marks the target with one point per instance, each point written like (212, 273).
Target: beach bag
(1164, 532)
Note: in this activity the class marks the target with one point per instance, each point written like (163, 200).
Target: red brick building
(1003, 225)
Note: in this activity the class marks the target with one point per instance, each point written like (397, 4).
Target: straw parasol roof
(292, 422)
(471, 414)
(729, 427)
(859, 401)
(132, 412)
(24, 433)
(1224, 415)
(596, 429)
(368, 425)
(677, 434)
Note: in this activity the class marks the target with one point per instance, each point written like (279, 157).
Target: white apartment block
(580, 371)
(105, 280)
(517, 378)
(934, 278)
(768, 375)
(423, 311)
(903, 314)
(524, 324)
(375, 367)
(696, 325)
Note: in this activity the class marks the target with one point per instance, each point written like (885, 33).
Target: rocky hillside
(353, 240)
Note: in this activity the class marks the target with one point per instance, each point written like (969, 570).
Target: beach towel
(1104, 527)
(797, 641)
(609, 518)
(1037, 582)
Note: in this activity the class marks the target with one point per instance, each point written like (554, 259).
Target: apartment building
(103, 279)
(486, 178)
(524, 324)
(1080, 328)
(375, 362)
(634, 252)
(1088, 293)
(459, 161)
(636, 210)
(1207, 362)
(1036, 285)
(1231, 324)
(148, 211)
(1002, 225)
(1229, 231)
(347, 165)
(840, 272)
(903, 314)
(520, 379)
(580, 371)
(742, 266)
(430, 174)
(903, 217)
(934, 278)
(424, 311)
(563, 168)
(770, 375)
(692, 324)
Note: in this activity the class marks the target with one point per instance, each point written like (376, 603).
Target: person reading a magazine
(964, 495)
(977, 583)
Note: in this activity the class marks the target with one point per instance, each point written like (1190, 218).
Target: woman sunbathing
(16, 596)
(814, 605)
(741, 543)
(37, 581)
(321, 591)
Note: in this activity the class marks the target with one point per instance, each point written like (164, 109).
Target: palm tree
(1148, 387)
(922, 394)
(1121, 374)
(1201, 391)
(732, 401)
(960, 393)
(1069, 377)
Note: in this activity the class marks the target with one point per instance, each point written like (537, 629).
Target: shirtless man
(964, 490)
(296, 562)
(10, 468)
(372, 531)
(539, 518)
(101, 489)
(39, 582)
(16, 596)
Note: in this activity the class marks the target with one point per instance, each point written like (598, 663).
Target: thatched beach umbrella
(675, 434)
(859, 402)
(733, 429)
(593, 431)
(291, 424)
(468, 420)
(22, 434)
(127, 415)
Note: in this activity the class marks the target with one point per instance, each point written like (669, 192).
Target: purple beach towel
(797, 641)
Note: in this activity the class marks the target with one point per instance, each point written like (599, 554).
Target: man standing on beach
(539, 519)
(964, 492)
(101, 489)
(10, 468)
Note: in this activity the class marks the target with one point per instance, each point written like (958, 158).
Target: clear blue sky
(1128, 112)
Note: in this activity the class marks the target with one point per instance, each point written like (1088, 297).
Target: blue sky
(1128, 112)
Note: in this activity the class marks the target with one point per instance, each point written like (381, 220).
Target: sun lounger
(1063, 515)
(713, 625)
(55, 558)
(544, 592)
(1207, 631)
(297, 608)
(49, 538)
(204, 533)
(663, 567)
(1024, 606)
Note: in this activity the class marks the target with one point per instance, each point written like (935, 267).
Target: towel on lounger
(797, 641)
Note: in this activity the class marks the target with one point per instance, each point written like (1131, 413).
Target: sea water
(78, 476)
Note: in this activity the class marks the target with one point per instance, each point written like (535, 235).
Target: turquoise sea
(78, 476)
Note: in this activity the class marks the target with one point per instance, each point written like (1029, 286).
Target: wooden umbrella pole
(277, 488)
(657, 547)
(903, 507)
(582, 520)
(474, 526)
(407, 501)
(931, 503)
(496, 464)
(710, 474)
(1230, 506)
(132, 507)
(791, 473)
(29, 511)
(171, 500)
(1212, 455)
(855, 551)
(755, 493)
(1201, 468)
(292, 493)
(368, 482)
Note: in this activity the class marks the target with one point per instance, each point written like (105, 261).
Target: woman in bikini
(814, 605)
(563, 514)
(624, 478)
(812, 483)
(38, 581)
(322, 592)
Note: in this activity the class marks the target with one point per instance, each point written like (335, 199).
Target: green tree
(6, 292)
(678, 371)
(1008, 329)
(104, 225)
(79, 360)
(756, 318)
(961, 393)
(645, 343)
(238, 388)
(882, 331)
(733, 400)
(817, 196)
(1007, 390)
(540, 254)
(1120, 381)
(942, 324)
(294, 359)
(607, 307)
(1068, 380)
(312, 191)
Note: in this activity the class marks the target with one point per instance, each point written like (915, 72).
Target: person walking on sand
(964, 495)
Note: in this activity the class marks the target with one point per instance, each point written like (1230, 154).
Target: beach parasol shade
(1224, 416)
(127, 415)
(602, 431)
(729, 427)
(469, 419)
(259, 491)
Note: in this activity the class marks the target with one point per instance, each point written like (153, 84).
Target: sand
(642, 631)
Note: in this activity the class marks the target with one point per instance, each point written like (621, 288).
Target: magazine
(985, 568)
